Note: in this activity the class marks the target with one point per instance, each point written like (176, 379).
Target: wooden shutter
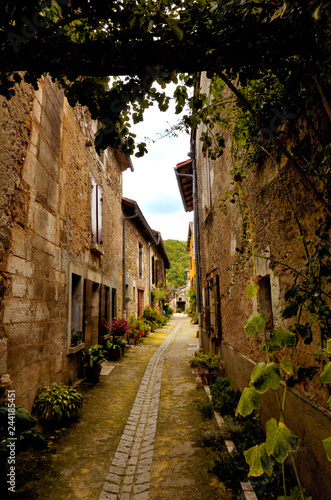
(87, 316)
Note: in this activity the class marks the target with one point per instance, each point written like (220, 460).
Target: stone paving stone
(133, 461)
(114, 478)
(129, 480)
(144, 469)
(111, 487)
(139, 488)
(143, 478)
(147, 454)
(104, 495)
(119, 463)
(120, 456)
(126, 437)
(141, 496)
(125, 496)
(130, 470)
(117, 470)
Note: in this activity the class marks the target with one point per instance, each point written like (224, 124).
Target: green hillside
(180, 260)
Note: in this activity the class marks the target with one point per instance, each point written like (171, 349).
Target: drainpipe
(124, 261)
(195, 236)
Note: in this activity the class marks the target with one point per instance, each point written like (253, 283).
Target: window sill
(76, 348)
(96, 249)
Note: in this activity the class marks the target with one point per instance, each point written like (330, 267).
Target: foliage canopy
(180, 261)
(81, 44)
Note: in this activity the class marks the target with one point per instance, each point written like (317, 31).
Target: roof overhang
(162, 250)
(131, 209)
(184, 176)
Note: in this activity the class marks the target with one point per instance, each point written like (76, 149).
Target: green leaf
(249, 401)
(280, 440)
(287, 366)
(283, 338)
(328, 346)
(326, 374)
(258, 460)
(251, 290)
(265, 376)
(256, 323)
(329, 402)
(290, 310)
(327, 446)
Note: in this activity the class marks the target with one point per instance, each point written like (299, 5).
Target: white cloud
(153, 183)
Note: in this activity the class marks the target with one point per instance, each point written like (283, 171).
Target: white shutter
(94, 225)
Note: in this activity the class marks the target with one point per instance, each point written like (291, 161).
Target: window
(153, 270)
(265, 300)
(113, 303)
(76, 301)
(96, 212)
(140, 261)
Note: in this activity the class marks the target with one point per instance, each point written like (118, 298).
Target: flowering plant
(119, 327)
(75, 335)
(136, 327)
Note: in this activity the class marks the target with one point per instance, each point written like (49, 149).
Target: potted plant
(94, 357)
(119, 328)
(57, 402)
(76, 336)
(113, 350)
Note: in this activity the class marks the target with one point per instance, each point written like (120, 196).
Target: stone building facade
(146, 259)
(61, 238)
(226, 268)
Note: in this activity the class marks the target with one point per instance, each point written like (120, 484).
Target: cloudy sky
(153, 183)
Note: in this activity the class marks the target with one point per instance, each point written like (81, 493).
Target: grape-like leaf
(280, 440)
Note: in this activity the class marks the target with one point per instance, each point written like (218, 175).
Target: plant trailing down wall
(306, 305)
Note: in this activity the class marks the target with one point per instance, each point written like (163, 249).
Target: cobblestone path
(130, 471)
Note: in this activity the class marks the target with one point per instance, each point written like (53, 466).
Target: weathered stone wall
(47, 166)
(223, 258)
(133, 280)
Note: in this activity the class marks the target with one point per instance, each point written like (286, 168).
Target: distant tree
(180, 259)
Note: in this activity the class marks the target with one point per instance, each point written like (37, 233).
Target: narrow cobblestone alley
(138, 435)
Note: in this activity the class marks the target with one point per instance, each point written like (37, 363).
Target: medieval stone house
(225, 268)
(61, 240)
(145, 259)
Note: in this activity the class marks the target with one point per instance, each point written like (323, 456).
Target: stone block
(21, 334)
(19, 266)
(3, 356)
(43, 258)
(42, 312)
(43, 245)
(48, 132)
(52, 193)
(19, 286)
(48, 157)
(19, 244)
(41, 180)
(36, 288)
(44, 223)
(18, 311)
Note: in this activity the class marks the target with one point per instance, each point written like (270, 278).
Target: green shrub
(207, 366)
(57, 403)
(225, 398)
(231, 469)
(206, 408)
(95, 355)
(25, 433)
